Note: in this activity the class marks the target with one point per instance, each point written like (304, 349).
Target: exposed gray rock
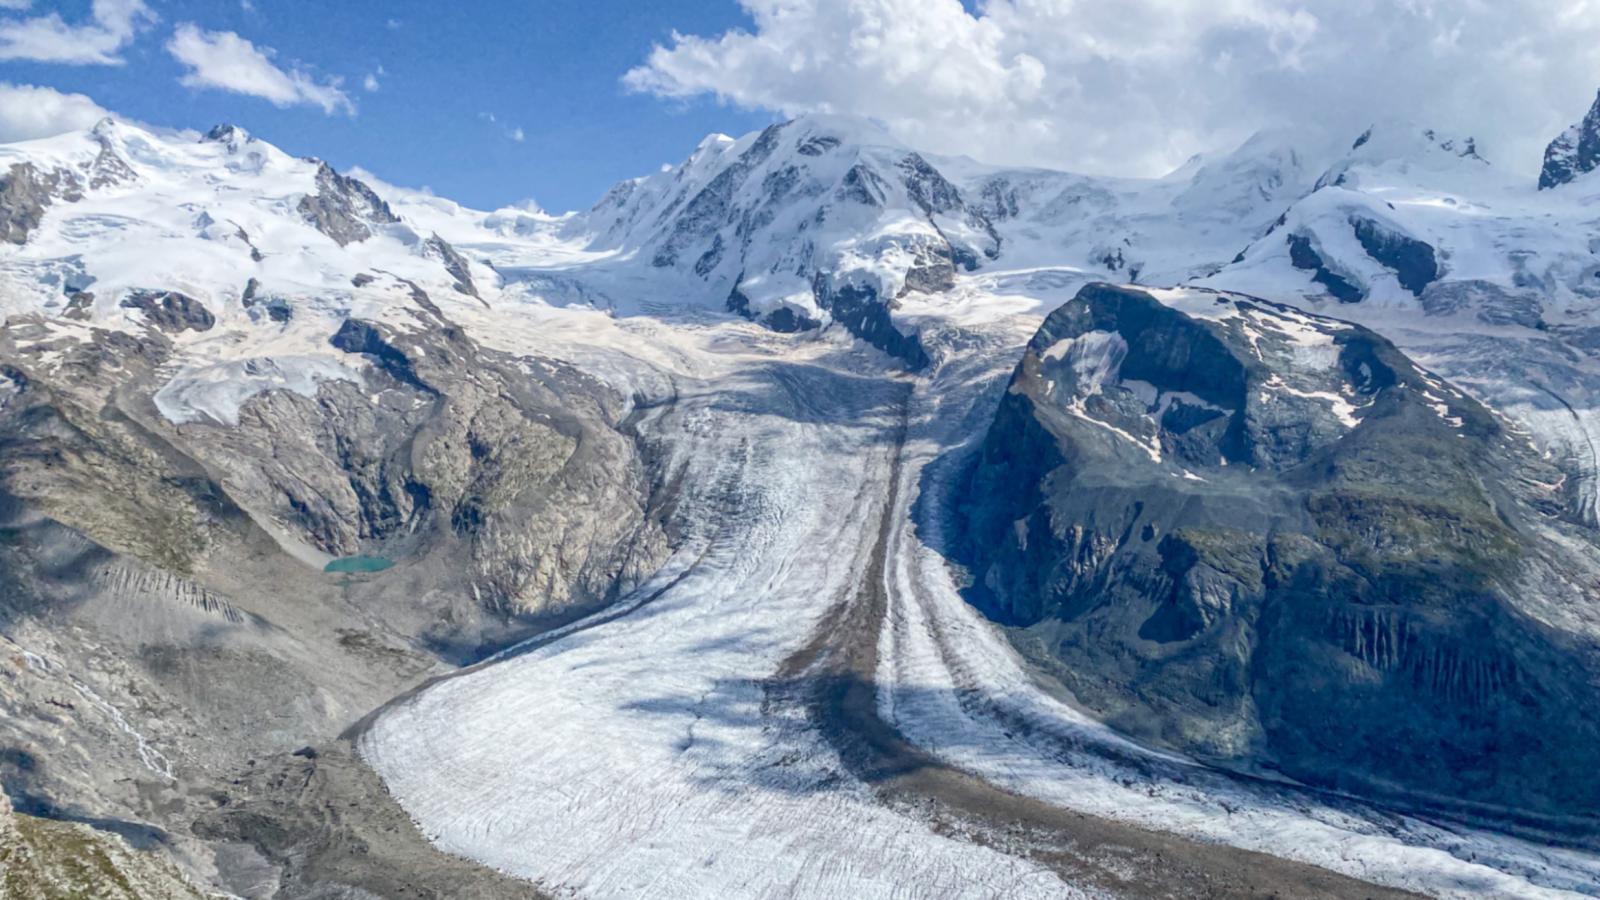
(711, 230)
(343, 208)
(108, 168)
(933, 270)
(454, 263)
(784, 321)
(42, 859)
(1413, 261)
(170, 311)
(231, 135)
(866, 315)
(25, 194)
(1178, 522)
(711, 208)
(1302, 255)
(936, 196)
(1575, 152)
(80, 306)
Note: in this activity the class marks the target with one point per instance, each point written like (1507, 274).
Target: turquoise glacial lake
(358, 565)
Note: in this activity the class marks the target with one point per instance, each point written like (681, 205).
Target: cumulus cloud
(1137, 86)
(228, 62)
(112, 25)
(28, 111)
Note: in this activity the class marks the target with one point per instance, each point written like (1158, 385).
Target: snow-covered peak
(107, 224)
(1406, 152)
(760, 219)
(231, 136)
(1262, 176)
(1409, 219)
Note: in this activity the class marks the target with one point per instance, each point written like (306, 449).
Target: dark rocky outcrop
(1333, 569)
(277, 309)
(170, 311)
(711, 208)
(936, 196)
(784, 320)
(454, 263)
(1575, 152)
(1413, 261)
(1302, 255)
(374, 342)
(26, 192)
(343, 208)
(867, 316)
(225, 133)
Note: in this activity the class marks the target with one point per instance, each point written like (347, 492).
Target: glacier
(799, 701)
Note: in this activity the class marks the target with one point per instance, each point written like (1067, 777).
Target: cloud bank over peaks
(1138, 86)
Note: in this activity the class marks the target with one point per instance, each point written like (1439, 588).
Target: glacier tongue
(643, 752)
(657, 749)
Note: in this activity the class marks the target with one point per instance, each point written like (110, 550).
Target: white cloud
(1136, 86)
(514, 132)
(226, 61)
(112, 25)
(370, 83)
(28, 111)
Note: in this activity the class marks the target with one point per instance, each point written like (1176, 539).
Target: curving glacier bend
(648, 754)
(665, 748)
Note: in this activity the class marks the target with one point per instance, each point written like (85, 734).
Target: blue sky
(494, 101)
(552, 68)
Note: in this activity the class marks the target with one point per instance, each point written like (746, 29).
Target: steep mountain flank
(1270, 540)
(1574, 152)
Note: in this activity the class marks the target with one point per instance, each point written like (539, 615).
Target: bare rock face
(170, 311)
(1575, 152)
(26, 192)
(1270, 540)
(343, 208)
(454, 263)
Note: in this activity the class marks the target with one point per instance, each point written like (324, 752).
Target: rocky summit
(1574, 153)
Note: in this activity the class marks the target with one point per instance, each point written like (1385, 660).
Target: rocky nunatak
(1270, 540)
